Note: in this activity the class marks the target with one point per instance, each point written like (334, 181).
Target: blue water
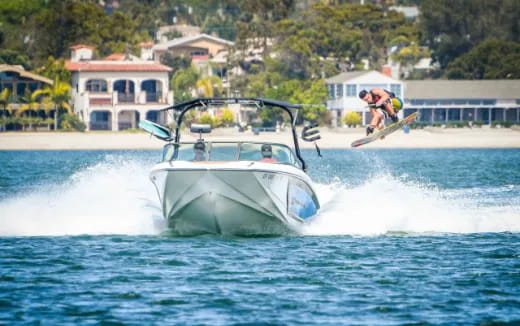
(410, 236)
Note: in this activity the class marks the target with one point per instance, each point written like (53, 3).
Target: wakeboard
(385, 131)
(159, 131)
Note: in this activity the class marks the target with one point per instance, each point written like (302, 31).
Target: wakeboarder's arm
(384, 97)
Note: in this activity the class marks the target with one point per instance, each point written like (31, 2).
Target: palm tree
(58, 95)
(31, 103)
(207, 86)
(4, 102)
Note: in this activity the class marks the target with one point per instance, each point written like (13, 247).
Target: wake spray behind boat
(232, 187)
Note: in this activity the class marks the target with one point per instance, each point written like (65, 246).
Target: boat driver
(199, 151)
(267, 154)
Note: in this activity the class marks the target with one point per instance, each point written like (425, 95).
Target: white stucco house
(117, 92)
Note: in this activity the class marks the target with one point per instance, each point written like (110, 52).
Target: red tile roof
(81, 46)
(116, 56)
(146, 44)
(115, 66)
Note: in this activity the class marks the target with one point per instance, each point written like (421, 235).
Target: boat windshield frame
(204, 102)
(281, 153)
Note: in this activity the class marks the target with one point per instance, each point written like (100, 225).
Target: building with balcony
(438, 101)
(119, 91)
(208, 53)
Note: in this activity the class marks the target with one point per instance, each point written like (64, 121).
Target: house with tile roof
(117, 92)
(207, 52)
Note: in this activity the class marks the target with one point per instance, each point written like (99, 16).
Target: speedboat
(232, 187)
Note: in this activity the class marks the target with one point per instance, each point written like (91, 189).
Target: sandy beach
(484, 137)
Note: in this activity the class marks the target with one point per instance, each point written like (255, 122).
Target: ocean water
(404, 237)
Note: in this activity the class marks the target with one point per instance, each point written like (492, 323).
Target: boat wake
(386, 204)
(116, 197)
(111, 197)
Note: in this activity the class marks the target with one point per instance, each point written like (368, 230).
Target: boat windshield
(230, 151)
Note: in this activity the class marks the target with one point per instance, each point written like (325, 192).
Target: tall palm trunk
(55, 117)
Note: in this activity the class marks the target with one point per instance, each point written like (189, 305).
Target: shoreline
(330, 138)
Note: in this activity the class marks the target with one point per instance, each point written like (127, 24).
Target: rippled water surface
(403, 237)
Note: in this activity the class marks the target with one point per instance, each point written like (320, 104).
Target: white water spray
(116, 197)
(385, 204)
(108, 198)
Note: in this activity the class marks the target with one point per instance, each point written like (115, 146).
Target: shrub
(352, 119)
(505, 124)
(227, 117)
(456, 124)
(206, 118)
(72, 122)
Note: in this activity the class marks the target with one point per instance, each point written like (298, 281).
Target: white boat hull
(234, 198)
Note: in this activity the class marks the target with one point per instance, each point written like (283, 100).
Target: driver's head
(199, 146)
(267, 150)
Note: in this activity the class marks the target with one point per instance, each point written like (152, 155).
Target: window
(339, 90)
(396, 89)
(331, 91)
(96, 85)
(351, 90)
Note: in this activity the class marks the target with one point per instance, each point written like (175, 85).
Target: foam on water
(112, 197)
(116, 197)
(385, 204)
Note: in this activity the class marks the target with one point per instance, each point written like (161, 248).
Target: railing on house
(100, 100)
(122, 125)
(126, 97)
(99, 125)
(153, 97)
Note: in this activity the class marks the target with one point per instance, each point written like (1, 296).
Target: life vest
(397, 103)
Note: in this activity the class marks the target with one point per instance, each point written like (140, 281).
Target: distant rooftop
(453, 89)
(110, 65)
(409, 12)
(360, 76)
(22, 72)
(188, 39)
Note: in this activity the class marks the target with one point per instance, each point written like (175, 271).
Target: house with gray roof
(463, 100)
(436, 100)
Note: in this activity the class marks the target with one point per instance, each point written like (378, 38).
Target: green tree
(490, 59)
(452, 28)
(58, 95)
(175, 62)
(4, 102)
(31, 104)
(184, 83)
(55, 69)
(11, 57)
